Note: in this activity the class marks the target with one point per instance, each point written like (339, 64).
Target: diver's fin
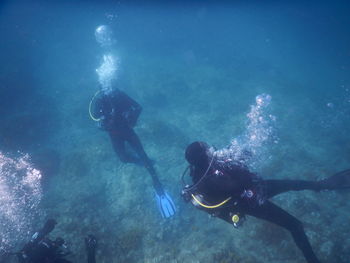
(165, 204)
(337, 181)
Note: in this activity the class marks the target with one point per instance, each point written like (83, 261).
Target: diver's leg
(119, 147)
(275, 187)
(272, 213)
(135, 143)
(338, 181)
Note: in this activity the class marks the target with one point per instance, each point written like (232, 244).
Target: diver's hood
(197, 153)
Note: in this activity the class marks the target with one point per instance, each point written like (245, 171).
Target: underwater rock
(228, 256)
(131, 239)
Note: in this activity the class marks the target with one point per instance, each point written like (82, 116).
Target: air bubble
(104, 36)
(20, 195)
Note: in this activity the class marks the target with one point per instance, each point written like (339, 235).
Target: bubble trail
(250, 148)
(20, 196)
(107, 71)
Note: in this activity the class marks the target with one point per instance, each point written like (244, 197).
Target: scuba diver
(41, 249)
(117, 114)
(225, 188)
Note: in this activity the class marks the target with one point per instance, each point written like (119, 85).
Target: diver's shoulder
(229, 164)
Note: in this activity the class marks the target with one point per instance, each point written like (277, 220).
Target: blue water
(196, 68)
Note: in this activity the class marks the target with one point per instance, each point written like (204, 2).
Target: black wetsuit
(41, 249)
(119, 114)
(44, 252)
(250, 196)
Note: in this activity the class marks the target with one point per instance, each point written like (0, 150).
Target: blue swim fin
(165, 204)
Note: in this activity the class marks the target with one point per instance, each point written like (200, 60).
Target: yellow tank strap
(210, 206)
(90, 104)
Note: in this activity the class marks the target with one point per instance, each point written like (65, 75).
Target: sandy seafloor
(189, 92)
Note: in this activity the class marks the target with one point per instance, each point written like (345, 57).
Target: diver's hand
(186, 194)
(90, 243)
(102, 123)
